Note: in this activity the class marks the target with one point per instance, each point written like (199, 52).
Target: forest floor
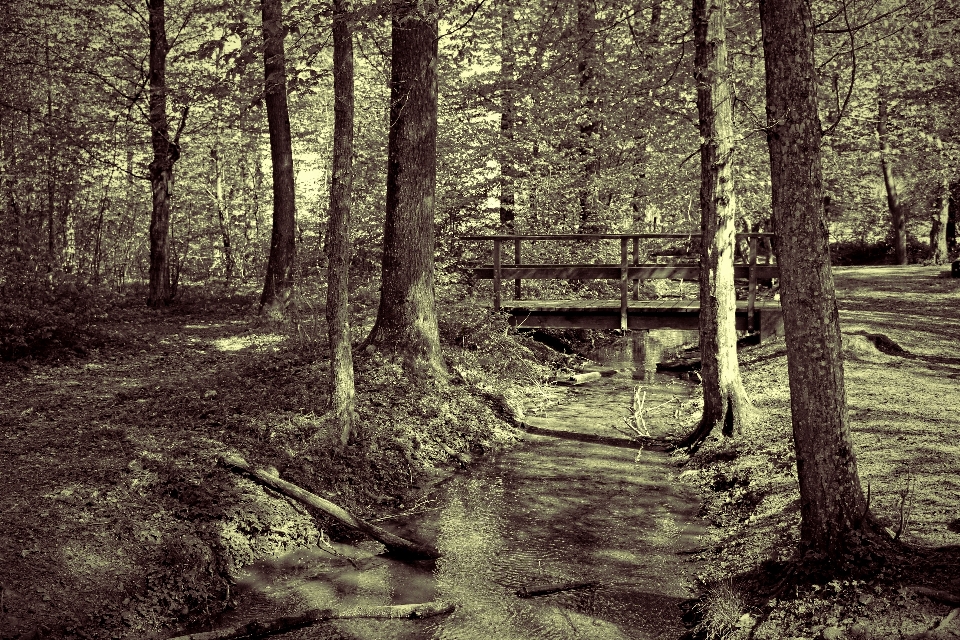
(116, 520)
(902, 392)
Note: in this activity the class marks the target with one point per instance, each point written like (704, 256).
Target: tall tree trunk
(938, 226)
(338, 234)
(587, 116)
(898, 219)
(406, 322)
(51, 189)
(953, 215)
(165, 153)
(832, 505)
(508, 117)
(279, 281)
(725, 401)
(221, 202)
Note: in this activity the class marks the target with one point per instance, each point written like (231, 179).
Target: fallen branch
(394, 543)
(950, 617)
(546, 589)
(940, 596)
(262, 629)
(413, 611)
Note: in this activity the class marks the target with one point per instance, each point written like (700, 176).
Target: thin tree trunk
(508, 117)
(833, 508)
(338, 234)
(51, 189)
(406, 322)
(164, 155)
(953, 214)
(216, 165)
(588, 116)
(938, 226)
(725, 401)
(898, 219)
(279, 281)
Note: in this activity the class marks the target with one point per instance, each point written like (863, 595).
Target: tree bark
(279, 281)
(164, 155)
(406, 322)
(898, 219)
(338, 234)
(725, 401)
(834, 511)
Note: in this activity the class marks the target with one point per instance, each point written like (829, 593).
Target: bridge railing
(629, 271)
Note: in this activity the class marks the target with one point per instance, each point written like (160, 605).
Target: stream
(581, 505)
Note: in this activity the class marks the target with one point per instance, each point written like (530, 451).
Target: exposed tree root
(262, 629)
(395, 544)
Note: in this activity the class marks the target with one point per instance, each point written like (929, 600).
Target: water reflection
(642, 350)
(554, 510)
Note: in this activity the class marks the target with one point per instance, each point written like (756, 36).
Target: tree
(279, 280)
(165, 153)
(725, 401)
(941, 213)
(338, 234)
(406, 323)
(508, 116)
(588, 116)
(898, 219)
(834, 511)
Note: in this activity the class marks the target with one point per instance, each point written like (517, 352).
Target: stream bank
(584, 504)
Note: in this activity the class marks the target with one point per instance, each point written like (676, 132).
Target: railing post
(636, 262)
(752, 295)
(496, 275)
(624, 283)
(516, 261)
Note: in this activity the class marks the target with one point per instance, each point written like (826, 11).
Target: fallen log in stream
(395, 544)
(264, 628)
(546, 589)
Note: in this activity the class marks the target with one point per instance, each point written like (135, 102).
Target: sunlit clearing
(236, 343)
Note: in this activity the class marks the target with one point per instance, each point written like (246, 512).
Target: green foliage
(43, 319)
(859, 252)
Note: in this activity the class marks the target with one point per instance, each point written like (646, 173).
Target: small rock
(209, 394)
(832, 633)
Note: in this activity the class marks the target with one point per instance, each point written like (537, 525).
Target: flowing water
(581, 505)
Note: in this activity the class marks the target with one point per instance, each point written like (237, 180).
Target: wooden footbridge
(629, 312)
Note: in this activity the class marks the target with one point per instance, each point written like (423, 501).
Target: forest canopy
(553, 117)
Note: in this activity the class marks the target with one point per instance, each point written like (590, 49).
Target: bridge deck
(641, 314)
(751, 314)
